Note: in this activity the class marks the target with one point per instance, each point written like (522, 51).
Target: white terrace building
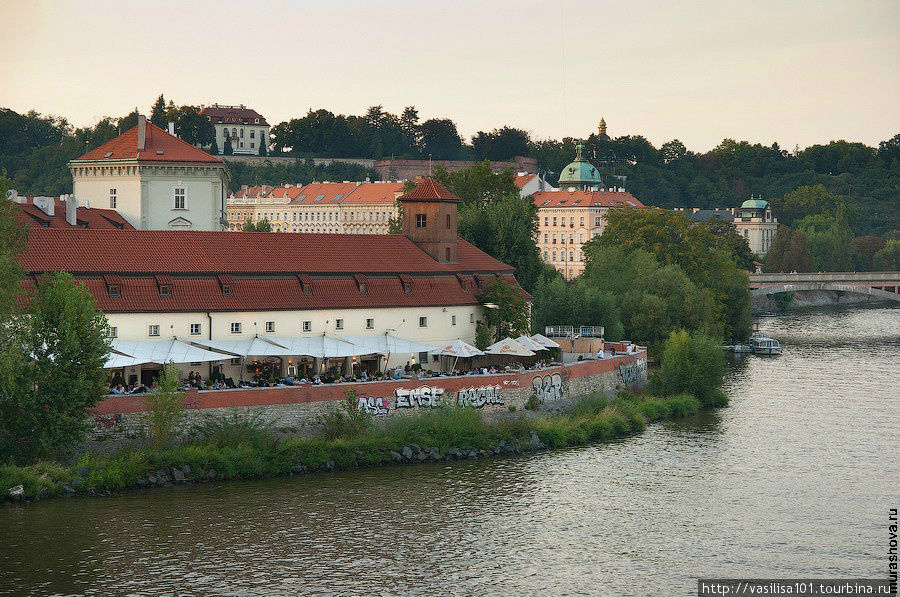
(156, 285)
(247, 128)
(154, 180)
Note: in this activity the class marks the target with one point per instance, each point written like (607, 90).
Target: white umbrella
(387, 344)
(530, 344)
(509, 347)
(460, 349)
(117, 361)
(544, 341)
(166, 351)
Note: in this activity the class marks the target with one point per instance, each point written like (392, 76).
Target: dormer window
(165, 290)
(227, 290)
(115, 291)
(226, 283)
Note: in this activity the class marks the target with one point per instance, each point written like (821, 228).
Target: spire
(602, 127)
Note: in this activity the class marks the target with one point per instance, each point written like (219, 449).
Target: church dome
(755, 204)
(580, 172)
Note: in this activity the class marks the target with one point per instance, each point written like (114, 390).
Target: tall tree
(158, 112)
(440, 139)
(13, 235)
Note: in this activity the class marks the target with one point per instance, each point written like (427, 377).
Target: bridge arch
(801, 286)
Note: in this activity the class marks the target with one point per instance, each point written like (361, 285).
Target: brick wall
(300, 407)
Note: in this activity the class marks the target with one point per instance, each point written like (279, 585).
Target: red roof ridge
(124, 147)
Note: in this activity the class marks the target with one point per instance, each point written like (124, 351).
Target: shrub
(238, 429)
(346, 420)
(533, 402)
(164, 408)
(589, 405)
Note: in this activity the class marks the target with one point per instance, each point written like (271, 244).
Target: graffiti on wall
(633, 373)
(372, 405)
(480, 397)
(548, 388)
(425, 397)
(113, 423)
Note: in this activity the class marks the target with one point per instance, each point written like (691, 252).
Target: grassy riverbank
(232, 449)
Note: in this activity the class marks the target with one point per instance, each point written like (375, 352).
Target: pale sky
(787, 71)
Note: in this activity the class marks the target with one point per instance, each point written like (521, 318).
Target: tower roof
(755, 204)
(580, 171)
(430, 190)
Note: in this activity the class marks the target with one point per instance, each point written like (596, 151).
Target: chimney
(142, 133)
(45, 204)
(172, 128)
(72, 210)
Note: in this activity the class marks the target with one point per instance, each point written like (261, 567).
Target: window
(165, 290)
(447, 253)
(235, 327)
(420, 220)
(571, 221)
(113, 332)
(153, 330)
(338, 324)
(581, 221)
(179, 198)
(115, 291)
(270, 326)
(546, 221)
(471, 318)
(307, 326)
(236, 361)
(423, 322)
(227, 290)
(597, 221)
(370, 324)
(252, 134)
(195, 329)
(252, 145)
(448, 221)
(453, 320)
(234, 132)
(746, 233)
(242, 135)
(112, 198)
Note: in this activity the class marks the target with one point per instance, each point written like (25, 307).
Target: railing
(570, 331)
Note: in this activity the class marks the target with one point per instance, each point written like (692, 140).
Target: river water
(794, 479)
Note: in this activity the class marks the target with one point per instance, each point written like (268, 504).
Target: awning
(387, 344)
(320, 347)
(508, 347)
(545, 341)
(162, 352)
(530, 344)
(256, 347)
(460, 349)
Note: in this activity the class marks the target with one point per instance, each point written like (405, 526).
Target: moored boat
(760, 344)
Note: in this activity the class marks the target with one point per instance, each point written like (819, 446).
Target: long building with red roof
(214, 285)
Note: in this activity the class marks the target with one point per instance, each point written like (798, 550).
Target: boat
(760, 344)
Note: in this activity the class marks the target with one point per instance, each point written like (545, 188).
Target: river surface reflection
(794, 479)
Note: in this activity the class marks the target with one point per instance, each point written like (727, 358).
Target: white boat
(760, 344)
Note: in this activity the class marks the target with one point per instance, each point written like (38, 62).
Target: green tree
(164, 408)
(261, 226)
(841, 242)
(129, 121)
(229, 150)
(214, 148)
(887, 259)
(506, 311)
(51, 370)
(158, 114)
(193, 127)
(693, 364)
(263, 149)
(440, 139)
(13, 234)
(477, 184)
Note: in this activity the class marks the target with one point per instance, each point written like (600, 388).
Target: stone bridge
(883, 285)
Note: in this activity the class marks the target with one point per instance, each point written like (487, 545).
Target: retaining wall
(300, 407)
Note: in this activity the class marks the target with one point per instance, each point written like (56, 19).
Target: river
(793, 479)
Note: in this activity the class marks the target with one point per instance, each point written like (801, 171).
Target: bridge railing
(876, 278)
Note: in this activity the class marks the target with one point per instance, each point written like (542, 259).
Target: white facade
(246, 139)
(155, 196)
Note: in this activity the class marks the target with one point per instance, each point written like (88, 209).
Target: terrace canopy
(159, 352)
(257, 347)
(388, 344)
(321, 347)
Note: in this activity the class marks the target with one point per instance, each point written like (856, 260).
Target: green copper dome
(754, 204)
(579, 172)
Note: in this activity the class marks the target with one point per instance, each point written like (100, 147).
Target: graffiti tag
(372, 405)
(425, 397)
(110, 422)
(632, 373)
(479, 397)
(548, 388)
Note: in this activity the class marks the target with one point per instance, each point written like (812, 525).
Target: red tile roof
(192, 251)
(267, 271)
(323, 193)
(85, 217)
(253, 192)
(430, 189)
(159, 146)
(375, 192)
(585, 199)
(233, 115)
(523, 179)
